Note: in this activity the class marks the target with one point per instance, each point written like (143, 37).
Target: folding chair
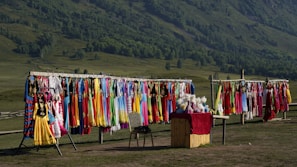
(136, 128)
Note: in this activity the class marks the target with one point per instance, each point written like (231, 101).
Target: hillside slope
(257, 35)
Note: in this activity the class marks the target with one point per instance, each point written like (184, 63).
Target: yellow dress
(42, 132)
(218, 102)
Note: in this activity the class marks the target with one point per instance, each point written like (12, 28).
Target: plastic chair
(136, 128)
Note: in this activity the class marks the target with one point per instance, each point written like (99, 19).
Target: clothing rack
(57, 139)
(277, 80)
(227, 80)
(212, 82)
(101, 129)
(36, 73)
(56, 144)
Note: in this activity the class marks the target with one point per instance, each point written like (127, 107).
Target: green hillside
(191, 38)
(256, 35)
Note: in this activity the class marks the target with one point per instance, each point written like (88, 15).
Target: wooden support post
(211, 91)
(224, 131)
(100, 135)
(210, 136)
(242, 118)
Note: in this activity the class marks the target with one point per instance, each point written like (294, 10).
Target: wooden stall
(190, 130)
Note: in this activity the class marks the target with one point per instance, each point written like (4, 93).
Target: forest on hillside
(231, 34)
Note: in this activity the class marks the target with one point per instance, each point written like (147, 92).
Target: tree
(85, 71)
(228, 77)
(96, 57)
(179, 63)
(76, 71)
(216, 75)
(167, 66)
(80, 54)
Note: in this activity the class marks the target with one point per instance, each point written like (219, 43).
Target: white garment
(55, 85)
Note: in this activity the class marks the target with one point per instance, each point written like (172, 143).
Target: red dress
(269, 108)
(155, 111)
(227, 98)
(164, 93)
(87, 127)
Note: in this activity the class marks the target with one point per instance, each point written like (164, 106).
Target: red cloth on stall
(200, 123)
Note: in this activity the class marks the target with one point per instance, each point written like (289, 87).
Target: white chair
(136, 128)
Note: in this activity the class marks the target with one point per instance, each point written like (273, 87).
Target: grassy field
(253, 144)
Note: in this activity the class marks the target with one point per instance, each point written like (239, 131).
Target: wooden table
(224, 118)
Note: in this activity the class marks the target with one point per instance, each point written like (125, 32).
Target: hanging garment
(244, 97)
(124, 103)
(55, 85)
(281, 98)
(192, 88)
(130, 97)
(260, 99)
(276, 98)
(122, 98)
(108, 102)
(29, 106)
(232, 98)
(238, 99)
(218, 103)
(182, 89)
(269, 108)
(286, 97)
(254, 100)
(59, 129)
(227, 98)
(173, 97)
(188, 88)
(159, 100)
(115, 122)
(164, 97)
(136, 101)
(76, 104)
(72, 118)
(149, 102)
(248, 113)
(112, 106)
(288, 94)
(169, 100)
(76, 108)
(98, 103)
(104, 93)
(154, 102)
(85, 101)
(143, 101)
(66, 104)
(79, 110)
(105, 102)
(42, 132)
(91, 111)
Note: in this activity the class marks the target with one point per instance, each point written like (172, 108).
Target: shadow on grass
(135, 148)
(23, 150)
(256, 121)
